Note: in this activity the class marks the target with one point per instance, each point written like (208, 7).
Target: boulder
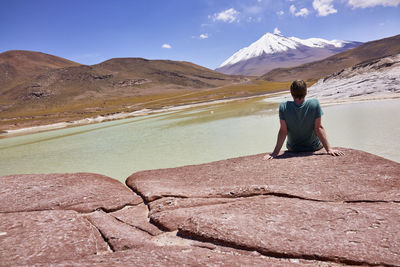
(351, 233)
(83, 192)
(357, 176)
(307, 209)
(300, 205)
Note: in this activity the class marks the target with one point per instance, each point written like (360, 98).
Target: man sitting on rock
(301, 122)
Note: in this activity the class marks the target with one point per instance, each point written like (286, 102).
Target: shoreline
(275, 97)
(123, 115)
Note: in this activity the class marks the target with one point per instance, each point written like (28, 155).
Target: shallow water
(198, 135)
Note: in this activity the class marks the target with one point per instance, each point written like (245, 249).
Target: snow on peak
(271, 43)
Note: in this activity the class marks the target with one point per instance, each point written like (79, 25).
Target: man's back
(300, 124)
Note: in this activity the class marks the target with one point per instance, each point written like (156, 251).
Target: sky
(205, 32)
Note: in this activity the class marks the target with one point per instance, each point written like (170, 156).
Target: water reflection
(222, 111)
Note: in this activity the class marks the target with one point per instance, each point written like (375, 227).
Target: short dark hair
(298, 89)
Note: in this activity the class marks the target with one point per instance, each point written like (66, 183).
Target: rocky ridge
(378, 77)
(306, 209)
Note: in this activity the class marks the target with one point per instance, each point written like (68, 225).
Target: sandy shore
(123, 115)
(270, 97)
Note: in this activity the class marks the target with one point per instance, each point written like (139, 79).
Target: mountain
(18, 66)
(115, 78)
(44, 84)
(275, 50)
(318, 69)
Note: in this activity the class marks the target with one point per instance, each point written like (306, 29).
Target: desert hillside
(18, 66)
(37, 88)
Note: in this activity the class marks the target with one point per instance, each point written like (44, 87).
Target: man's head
(298, 89)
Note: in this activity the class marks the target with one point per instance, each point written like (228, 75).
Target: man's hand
(335, 153)
(270, 156)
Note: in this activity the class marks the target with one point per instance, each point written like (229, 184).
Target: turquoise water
(192, 136)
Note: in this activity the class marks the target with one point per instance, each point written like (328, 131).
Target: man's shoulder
(312, 102)
(285, 103)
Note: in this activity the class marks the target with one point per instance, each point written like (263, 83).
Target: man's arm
(279, 142)
(320, 132)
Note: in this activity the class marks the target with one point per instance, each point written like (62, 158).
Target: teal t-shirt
(300, 124)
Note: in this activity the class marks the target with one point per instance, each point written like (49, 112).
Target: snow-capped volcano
(275, 50)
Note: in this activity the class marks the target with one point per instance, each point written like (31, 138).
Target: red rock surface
(184, 256)
(82, 192)
(357, 176)
(28, 238)
(168, 213)
(120, 236)
(310, 205)
(137, 216)
(302, 210)
(362, 233)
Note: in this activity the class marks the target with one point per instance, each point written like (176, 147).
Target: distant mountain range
(276, 51)
(47, 88)
(318, 69)
(34, 80)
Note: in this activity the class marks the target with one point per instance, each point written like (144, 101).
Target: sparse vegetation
(91, 108)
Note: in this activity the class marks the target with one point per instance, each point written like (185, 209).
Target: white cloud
(203, 36)
(167, 46)
(302, 12)
(372, 3)
(280, 13)
(230, 15)
(292, 9)
(277, 31)
(324, 7)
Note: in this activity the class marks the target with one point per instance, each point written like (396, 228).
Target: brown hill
(115, 78)
(50, 90)
(18, 66)
(318, 69)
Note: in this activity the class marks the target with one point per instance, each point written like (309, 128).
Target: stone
(349, 233)
(83, 192)
(168, 213)
(184, 256)
(28, 238)
(119, 235)
(137, 216)
(357, 176)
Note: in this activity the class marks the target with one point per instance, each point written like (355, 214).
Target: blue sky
(205, 32)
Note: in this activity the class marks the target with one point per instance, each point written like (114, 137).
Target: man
(301, 122)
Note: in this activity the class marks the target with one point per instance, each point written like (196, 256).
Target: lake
(192, 136)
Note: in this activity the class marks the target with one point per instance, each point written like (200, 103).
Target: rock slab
(357, 176)
(83, 192)
(356, 233)
(39, 237)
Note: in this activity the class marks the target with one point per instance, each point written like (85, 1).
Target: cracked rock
(357, 176)
(184, 256)
(356, 233)
(83, 192)
(137, 216)
(119, 235)
(28, 238)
